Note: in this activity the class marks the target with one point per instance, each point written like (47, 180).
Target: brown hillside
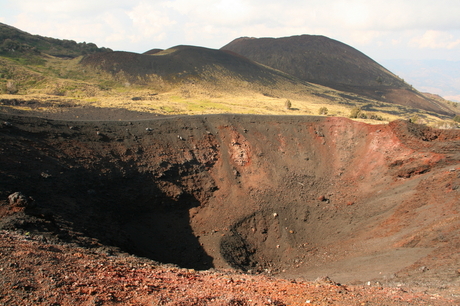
(15, 42)
(184, 63)
(153, 51)
(328, 62)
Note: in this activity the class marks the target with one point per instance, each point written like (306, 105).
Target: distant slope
(188, 64)
(153, 51)
(328, 62)
(435, 76)
(182, 80)
(14, 41)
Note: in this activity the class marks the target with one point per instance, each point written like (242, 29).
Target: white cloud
(138, 25)
(436, 40)
(71, 7)
(216, 12)
(455, 98)
(148, 22)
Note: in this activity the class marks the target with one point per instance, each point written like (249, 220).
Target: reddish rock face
(294, 196)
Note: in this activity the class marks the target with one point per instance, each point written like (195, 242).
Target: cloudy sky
(383, 29)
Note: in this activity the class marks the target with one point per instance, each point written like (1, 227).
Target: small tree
(288, 104)
(457, 118)
(355, 112)
(375, 116)
(11, 87)
(414, 119)
(323, 110)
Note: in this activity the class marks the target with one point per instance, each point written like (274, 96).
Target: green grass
(168, 109)
(205, 105)
(51, 77)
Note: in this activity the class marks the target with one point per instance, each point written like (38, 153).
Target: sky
(383, 29)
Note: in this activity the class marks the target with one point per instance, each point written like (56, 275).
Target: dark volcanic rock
(328, 62)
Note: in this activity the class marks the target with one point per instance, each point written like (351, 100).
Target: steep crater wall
(272, 194)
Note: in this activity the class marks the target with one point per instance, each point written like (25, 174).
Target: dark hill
(185, 63)
(153, 51)
(328, 62)
(14, 41)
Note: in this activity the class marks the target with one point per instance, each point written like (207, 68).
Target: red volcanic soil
(38, 273)
(292, 198)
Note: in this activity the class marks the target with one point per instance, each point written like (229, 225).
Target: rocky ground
(38, 273)
(226, 210)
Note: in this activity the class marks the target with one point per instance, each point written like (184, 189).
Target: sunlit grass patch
(207, 105)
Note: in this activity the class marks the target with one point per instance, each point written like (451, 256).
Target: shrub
(457, 118)
(445, 125)
(414, 119)
(323, 110)
(11, 87)
(355, 112)
(375, 117)
(288, 104)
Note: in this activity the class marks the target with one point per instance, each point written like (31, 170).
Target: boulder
(18, 199)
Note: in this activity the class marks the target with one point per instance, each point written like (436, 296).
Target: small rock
(45, 175)
(325, 280)
(18, 199)
(322, 198)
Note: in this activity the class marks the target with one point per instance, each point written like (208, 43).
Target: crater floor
(297, 197)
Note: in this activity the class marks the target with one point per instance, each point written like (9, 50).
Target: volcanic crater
(295, 196)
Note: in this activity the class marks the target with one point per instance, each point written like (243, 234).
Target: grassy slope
(17, 43)
(56, 80)
(322, 60)
(49, 70)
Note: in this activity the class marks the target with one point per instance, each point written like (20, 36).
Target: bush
(362, 115)
(288, 104)
(457, 118)
(11, 87)
(323, 110)
(355, 112)
(414, 119)
(375, 117)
